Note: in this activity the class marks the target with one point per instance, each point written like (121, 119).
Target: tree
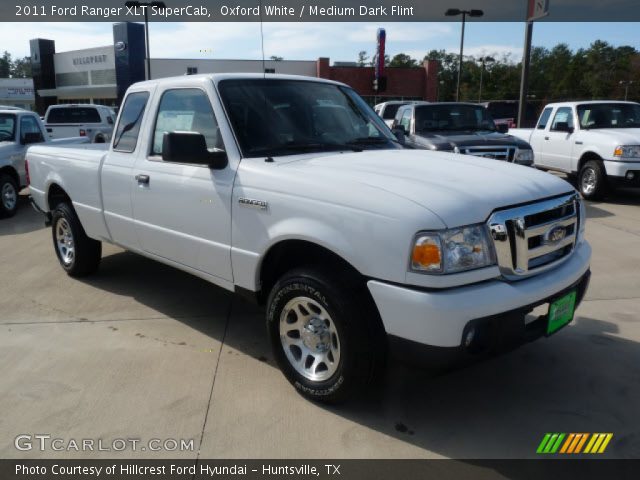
(275, 58)
(362, 58)
(21, 68)
(403, 60)
(5, 65)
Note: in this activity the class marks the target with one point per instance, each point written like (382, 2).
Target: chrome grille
(535, 237)
(505, 153)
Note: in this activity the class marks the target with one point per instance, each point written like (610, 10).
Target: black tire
(592, 180)
(361, 341)
(85, 252)
(8, 196)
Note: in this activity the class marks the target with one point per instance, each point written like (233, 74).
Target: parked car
(354, 244)
(597, 141)
(18, 130)
(387, 110)
(10, 107)
(464, 128)
(505, 112)
(84, 120)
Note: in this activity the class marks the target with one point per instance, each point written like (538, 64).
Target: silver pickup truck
(18, 130)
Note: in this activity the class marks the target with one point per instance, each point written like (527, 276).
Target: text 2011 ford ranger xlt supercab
(293, 190)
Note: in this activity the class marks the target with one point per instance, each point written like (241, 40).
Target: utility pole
(524, 80)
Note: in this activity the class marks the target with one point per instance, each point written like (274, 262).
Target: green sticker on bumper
(561, 312)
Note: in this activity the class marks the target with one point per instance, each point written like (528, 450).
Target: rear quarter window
(73, 115)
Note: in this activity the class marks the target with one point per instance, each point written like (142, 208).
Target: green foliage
(18, 68)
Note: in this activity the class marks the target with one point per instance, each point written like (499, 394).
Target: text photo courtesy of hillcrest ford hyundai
(317, 239)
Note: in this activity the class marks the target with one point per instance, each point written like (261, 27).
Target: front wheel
(325, 335)
(8, 196)
(592, 180)
(78, 254)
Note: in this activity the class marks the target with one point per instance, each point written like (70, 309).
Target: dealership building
(101, 75)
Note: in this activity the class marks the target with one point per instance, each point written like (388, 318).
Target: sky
(308, 41)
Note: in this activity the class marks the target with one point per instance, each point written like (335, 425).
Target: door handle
(142, 179)
(546, 138)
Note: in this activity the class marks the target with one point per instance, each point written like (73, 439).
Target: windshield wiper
(307, 147)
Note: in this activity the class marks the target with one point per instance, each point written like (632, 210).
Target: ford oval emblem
(120, 46)
(555, 235)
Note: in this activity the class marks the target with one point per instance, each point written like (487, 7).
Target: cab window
(563, 114)
(30, 125)
(186, 110)
(126, 136)
(544, 118)
(405, 121)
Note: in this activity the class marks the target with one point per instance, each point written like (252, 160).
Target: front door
(183, 211)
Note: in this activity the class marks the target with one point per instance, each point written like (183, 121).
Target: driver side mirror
(400, 132)
(563, 127)
(191, 147)
(28, 138)
(502, 127)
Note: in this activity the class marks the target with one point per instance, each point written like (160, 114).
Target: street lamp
(454, 12)
(145, 6)
(483, 60)
(626, 84)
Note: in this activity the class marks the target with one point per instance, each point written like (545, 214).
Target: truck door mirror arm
(191, 147)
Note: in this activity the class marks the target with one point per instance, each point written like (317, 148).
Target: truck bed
(76, 169)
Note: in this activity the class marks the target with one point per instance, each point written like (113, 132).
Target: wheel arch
(12, 172)
(290, 253)
(585, 157)
(56, 195)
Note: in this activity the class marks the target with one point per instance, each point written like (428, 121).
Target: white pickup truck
(597, 141)
(18, 130)
(293, 191)
(85, 120)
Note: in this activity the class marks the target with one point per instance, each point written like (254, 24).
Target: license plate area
(561, 311)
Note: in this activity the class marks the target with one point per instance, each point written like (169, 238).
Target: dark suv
(464, 128)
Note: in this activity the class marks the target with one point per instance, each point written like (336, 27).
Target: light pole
(454, 12)
(483, 60)
(626, 84)
(145, 6)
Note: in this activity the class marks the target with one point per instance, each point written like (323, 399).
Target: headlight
(452, 251)
(523, 156)
(627, 151)
(583, 220)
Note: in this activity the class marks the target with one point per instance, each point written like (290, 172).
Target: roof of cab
(586, 102)
(218, 77)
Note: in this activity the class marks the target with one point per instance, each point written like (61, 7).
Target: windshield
(7, 127)
(609, 115)
(286, 117)
(453, 117)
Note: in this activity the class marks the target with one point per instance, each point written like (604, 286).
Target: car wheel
(8, 196)
(325, 334)
(78, 254)
(592, 180)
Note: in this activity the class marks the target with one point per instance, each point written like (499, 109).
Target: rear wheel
(325, 334)
(8, 196)
(78, 254)
(592, 180)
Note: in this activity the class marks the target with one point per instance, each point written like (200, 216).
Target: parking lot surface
(143, 351)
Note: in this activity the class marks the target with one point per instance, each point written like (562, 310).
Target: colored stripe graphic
(573, 443)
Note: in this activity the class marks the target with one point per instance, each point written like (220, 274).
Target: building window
(192, 70)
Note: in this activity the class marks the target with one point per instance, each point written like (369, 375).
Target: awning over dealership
(90, 91)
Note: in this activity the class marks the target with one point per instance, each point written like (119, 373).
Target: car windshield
(7, 127)
(609, 115)
(453, 117)
(286, 117)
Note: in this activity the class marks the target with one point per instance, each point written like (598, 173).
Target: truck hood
(470, 139)
(459, 189)
(618, 136)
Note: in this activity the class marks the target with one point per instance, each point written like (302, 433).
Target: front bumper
(439, 317)
(617, 173)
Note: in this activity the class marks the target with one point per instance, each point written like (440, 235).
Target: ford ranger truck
(595, 142)
(293, 191)
(19, 129)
